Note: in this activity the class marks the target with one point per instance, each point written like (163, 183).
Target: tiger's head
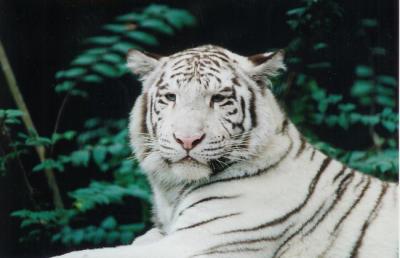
(202, 110)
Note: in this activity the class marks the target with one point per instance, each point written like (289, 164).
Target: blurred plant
(105, 56)
(370, 106)
(102, 145)
(9, 117)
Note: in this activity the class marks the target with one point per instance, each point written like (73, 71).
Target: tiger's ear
(266, 65)
(141, 63)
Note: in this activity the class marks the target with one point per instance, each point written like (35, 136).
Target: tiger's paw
(77, 254)
(93, 253)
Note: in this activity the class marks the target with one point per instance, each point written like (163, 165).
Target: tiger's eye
(170, 96)
(218, 98)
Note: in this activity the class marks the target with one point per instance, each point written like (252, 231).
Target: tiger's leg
(185, 244)
(150, 236)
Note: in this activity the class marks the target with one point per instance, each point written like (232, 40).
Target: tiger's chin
(184, 171)
(189, 170)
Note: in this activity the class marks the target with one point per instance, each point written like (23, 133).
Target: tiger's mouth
(188, 159)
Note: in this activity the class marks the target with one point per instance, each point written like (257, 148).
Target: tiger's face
(198, 112)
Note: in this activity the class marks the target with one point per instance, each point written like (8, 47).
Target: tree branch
(27, 120)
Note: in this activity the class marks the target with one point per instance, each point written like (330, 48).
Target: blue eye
(170, 96)
(218, 98)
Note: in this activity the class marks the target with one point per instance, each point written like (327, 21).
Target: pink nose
(190, 142)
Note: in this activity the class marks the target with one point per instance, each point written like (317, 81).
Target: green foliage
(369, 106)
(105, 57)
(44, 218)
(103, 193)
(102, 145)
(109, 232)
(10, 118)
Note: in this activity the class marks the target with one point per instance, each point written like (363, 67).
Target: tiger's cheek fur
(138, 126)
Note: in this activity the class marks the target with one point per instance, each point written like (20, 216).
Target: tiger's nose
(190, 142)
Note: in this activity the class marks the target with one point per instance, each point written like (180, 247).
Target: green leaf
(77, 237)
(134, 227)
(318, 94)
(78, 93)
(103, 40)
(320, 45)
(68, 135)
(92, 122)
(385, 167)
(114, 58)
(143, 37)
(96, 51)
(127, 237)
(64, 86)
(126, 167)
(378, 51)
(369, 23)
(92, 78)
(156, 10)
(123, 69)
(84, 59)
(116, 148)
(109, 223)
(347, 107)
(293, 24)
(38, 141)
(106, 70)
(59, 74)
(343, 121)
(370, 119)
(80, 157)
(12, 121)
(389, 125)
(112, 237)
(157, 25)
(179, 18)
(132, 17)
(361, 88)
(386, 91)
(14, 113)
(385, 101)
(48, 164)
(364, 71)
(123, 47)
(10, 113)
(386, 79)
(7, 119)
(296, 11)
(99, 154)
(100, 235)
(74, 72)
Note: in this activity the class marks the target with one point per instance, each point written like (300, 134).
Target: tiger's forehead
(208, 67)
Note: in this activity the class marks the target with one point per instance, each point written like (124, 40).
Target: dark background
(42, 37)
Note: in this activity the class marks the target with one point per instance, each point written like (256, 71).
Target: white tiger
(232, 177)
